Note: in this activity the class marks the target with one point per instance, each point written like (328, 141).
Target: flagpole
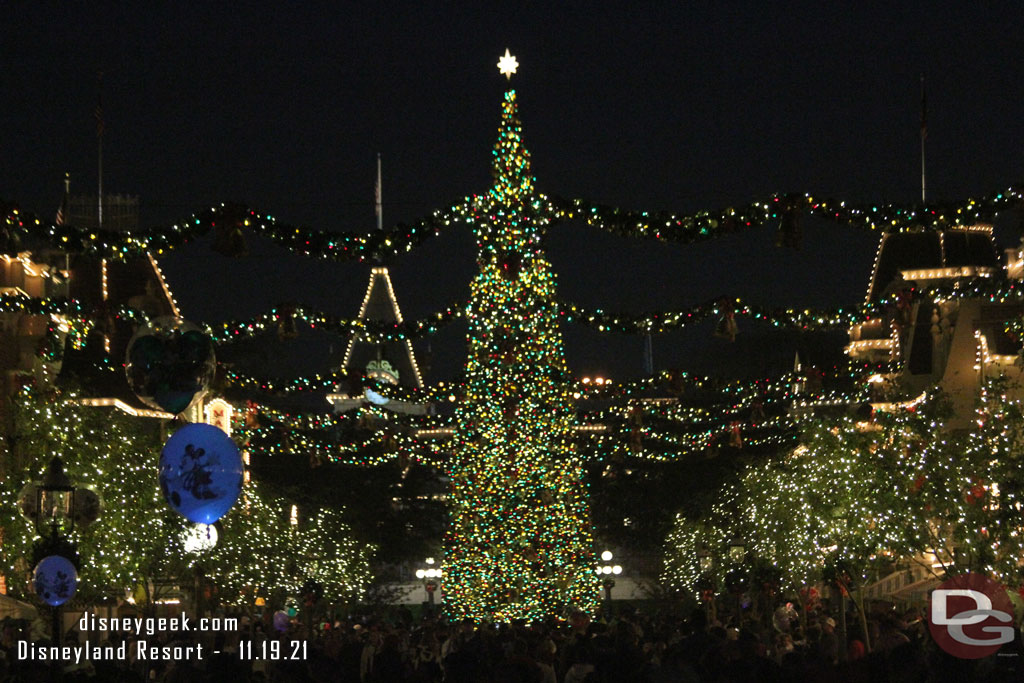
(924, 134)
(62, 210)
(99, 156)
(378, 190)
(648, 355)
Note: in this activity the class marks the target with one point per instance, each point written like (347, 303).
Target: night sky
(677, 106)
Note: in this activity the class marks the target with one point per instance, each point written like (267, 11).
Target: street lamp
(704, 560)
(737, 551)
(431, 578)
(55, 498)
(55, 558)
(608, 571)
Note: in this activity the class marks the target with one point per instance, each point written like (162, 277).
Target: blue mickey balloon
(200, 473)
(55, 579)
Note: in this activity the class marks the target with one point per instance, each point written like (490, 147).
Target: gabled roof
(380, 305)
(955, 247)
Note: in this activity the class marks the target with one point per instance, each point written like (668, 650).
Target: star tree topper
(507, 65)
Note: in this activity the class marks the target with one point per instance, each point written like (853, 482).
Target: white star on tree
(507, 64)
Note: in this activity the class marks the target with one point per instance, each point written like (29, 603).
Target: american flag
(62, 210)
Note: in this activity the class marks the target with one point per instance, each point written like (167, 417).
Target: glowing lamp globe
(55, 580)
(199, 538)
(86, 507)
(200, 473)
(28, 501)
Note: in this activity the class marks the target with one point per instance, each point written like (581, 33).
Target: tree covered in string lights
(970, 490)
(137, 537)
(518, 545)
(903, 486)
(260, 552)
(114, 455)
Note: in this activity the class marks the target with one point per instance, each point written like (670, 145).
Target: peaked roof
(380, 305)
(965, 246)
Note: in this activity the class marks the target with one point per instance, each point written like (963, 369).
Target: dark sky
(679, 106)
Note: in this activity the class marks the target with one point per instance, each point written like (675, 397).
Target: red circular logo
(970, 616)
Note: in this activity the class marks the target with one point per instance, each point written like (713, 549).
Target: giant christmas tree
(518, 544)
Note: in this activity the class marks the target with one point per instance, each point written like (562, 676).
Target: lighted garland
(666, 440)
(783, 208)
(22, 303)
(441, 392)
(360, 417)
(667, 321)
(620, 446)
(316, 382)
(786, 210)
(363, 438)
(231, 219)
(372, 331)
(720, 406)
(649, 323)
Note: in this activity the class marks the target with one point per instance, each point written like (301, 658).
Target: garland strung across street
(753, 415)
(22, 303)
(786, 210)
(667, 321)
(282, 386)
(365, 439)
(372, 331)
(229, 222)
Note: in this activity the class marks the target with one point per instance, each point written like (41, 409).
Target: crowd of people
(630, 646)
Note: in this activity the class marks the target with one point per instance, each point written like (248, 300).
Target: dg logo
(970, 616)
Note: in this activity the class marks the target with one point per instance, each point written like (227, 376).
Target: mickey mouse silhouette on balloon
(196, 477)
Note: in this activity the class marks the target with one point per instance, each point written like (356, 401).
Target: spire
(380, 305)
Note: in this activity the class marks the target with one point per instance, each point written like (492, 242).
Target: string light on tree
(518, 544)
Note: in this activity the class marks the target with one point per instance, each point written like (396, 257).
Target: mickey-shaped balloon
(200, 473)
(169, 363)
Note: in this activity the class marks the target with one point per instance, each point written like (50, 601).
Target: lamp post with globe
(431, 578)
(53, 505)
(607, 571)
